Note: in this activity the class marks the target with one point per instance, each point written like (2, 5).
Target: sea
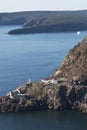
(35, 56)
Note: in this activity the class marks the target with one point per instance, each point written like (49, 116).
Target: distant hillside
(45, 21)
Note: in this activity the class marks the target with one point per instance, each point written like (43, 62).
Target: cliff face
(40, 96)
(74, 66)
(70, 92)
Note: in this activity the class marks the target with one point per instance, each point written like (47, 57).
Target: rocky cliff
(69, 92)
(74, 66)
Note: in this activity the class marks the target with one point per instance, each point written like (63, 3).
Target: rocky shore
(65, 89)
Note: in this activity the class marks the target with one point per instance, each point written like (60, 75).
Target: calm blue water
(35, 56)
(43, 120)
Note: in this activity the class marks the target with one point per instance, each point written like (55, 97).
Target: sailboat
(78, 32)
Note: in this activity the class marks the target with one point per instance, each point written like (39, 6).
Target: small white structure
(78, 32)
(53, 81)
(14, 95)
(10, 94)
(28, 82)
(18, 90)
(45, 81)
(23, 96)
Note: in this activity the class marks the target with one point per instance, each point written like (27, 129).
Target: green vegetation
(46, 21)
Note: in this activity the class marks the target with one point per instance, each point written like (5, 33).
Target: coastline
(48, 29)
(67, 93)
(41, 96)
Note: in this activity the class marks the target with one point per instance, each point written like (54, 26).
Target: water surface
(32, 55)
(35, 56)
(43, 120)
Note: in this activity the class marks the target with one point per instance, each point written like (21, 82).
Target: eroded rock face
(52, 96)
(74, 66)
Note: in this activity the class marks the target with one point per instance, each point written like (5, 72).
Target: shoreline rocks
(51, 96)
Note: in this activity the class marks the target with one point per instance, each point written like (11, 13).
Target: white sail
(78, 32)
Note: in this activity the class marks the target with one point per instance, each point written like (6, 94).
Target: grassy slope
(46, 21)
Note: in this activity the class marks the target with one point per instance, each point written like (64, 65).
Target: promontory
(45, 21)
(65, 89)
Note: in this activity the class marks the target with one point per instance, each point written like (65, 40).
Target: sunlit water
(35, 56)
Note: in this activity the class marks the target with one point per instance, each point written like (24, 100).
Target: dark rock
(74, 66)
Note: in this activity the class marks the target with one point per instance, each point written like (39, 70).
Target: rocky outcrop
(70, 92)
(74, 66)
(51, 96)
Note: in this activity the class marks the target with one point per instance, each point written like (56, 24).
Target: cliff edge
(74, 66)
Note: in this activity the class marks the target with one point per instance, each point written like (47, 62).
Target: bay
(32, 56)
(35, 56)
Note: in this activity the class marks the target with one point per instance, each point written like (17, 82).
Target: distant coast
(49, 29)
(45, 21)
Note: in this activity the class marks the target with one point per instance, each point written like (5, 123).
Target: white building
(53, 81)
